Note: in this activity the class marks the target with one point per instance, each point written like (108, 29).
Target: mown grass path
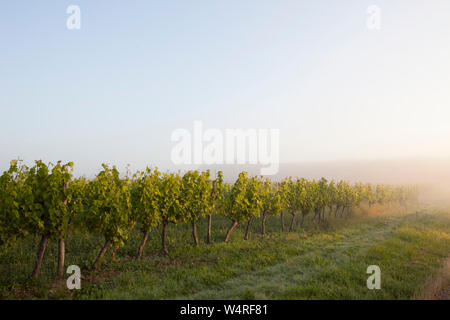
(329, 268)
(334, 266)
(324, 265)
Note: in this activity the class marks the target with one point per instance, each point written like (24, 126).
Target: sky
(114, 90)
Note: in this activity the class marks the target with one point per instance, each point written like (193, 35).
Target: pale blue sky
(137, 70)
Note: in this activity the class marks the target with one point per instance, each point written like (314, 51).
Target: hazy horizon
(390, 171)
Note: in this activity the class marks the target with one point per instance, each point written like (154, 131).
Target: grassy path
(324, 265)
(319, 262)
(328, 260)
(334, 266)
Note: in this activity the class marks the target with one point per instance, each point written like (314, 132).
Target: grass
(326, 261)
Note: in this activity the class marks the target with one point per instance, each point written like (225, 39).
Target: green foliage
(217, 192)
(271, 198)
(242, 201)
(298, 195)
(45, 197)
(145, 198)
(195, 196)
(108, 208)
(77, 199)
(11, 204)
(252, 204)
(169, 204)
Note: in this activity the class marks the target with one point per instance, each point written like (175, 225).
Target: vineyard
(46, 201)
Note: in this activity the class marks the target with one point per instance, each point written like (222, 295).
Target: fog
(432, 175)
(399, 171)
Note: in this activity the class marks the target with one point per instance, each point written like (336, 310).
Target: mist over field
(396, 171)
(431, 175)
